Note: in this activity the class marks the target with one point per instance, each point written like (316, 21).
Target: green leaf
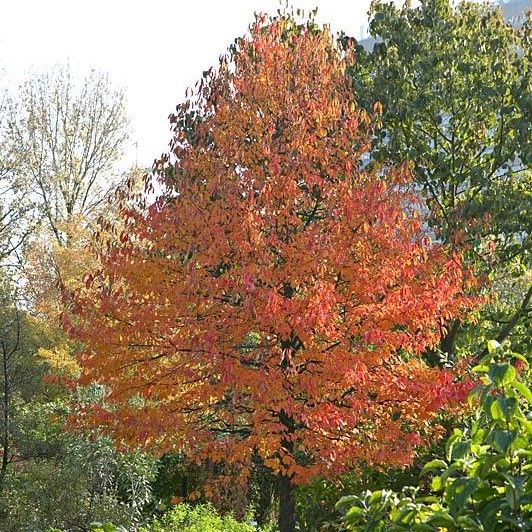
(465, 522)
(490, 510)
(501, 439)
(423, 527)
(474, 394)
(348, 500)
(353, 512)
(503, 408)
(458, 493)
(484, 493)
(442, 519)
(523, 390)
(460, 449)
(480, 368)
(406, 516)
(487, 403)
(478, 435)
(501, 374)
(376, 496)
(493, 346)
(457, 434)
(436, 484)
(433, 465)
(502, 464)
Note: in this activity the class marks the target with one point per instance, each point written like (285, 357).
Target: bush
(199, 518)
(485, 482)
(315, 502)
(87, 481)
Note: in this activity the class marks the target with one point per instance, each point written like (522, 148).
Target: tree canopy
(453, 79)
(273, 301)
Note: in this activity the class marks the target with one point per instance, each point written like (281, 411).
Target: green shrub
(484, 484)
(87, 481)
(315, 502)
(315, 509)
(199, 518)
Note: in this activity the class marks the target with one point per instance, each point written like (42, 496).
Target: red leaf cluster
(275, 299)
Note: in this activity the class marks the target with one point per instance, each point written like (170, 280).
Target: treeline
(244, 274)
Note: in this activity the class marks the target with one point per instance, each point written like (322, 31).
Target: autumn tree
(454, 82)
(272, 303)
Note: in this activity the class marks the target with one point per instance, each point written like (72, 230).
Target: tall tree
(65, 135)
(272, 303)
(453, 79)
(14, 203)
(68, 134)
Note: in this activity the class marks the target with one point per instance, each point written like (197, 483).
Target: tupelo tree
(271, 304)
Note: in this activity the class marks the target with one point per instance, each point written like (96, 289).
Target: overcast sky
(153, 49)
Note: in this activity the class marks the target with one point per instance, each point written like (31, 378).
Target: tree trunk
(5, 420)
(267, 495)
(448, 341)
(287, 505)
(3, 469)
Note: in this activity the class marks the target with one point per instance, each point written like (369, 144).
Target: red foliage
(275, 299)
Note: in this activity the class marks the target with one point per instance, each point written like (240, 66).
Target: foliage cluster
(454, 82)
(185, 518)
(70, 482)
(197, 518)
(213, 287)
(485, 481)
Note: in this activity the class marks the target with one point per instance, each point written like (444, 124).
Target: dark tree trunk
(448, 341)
(267, 496)
(5, 417)
(3, 469)
(287, 505)
(7, 353)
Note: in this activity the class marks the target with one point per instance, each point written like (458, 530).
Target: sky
(152, 49)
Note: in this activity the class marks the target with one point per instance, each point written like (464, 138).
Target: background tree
(62, 137)
(21, 371)
(454, 83)
(272, 302)
(85, 480)
(25, 342)
(14, 203)
(68, 135)
(60, 141)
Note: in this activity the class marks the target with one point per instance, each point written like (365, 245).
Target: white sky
(153, 49)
